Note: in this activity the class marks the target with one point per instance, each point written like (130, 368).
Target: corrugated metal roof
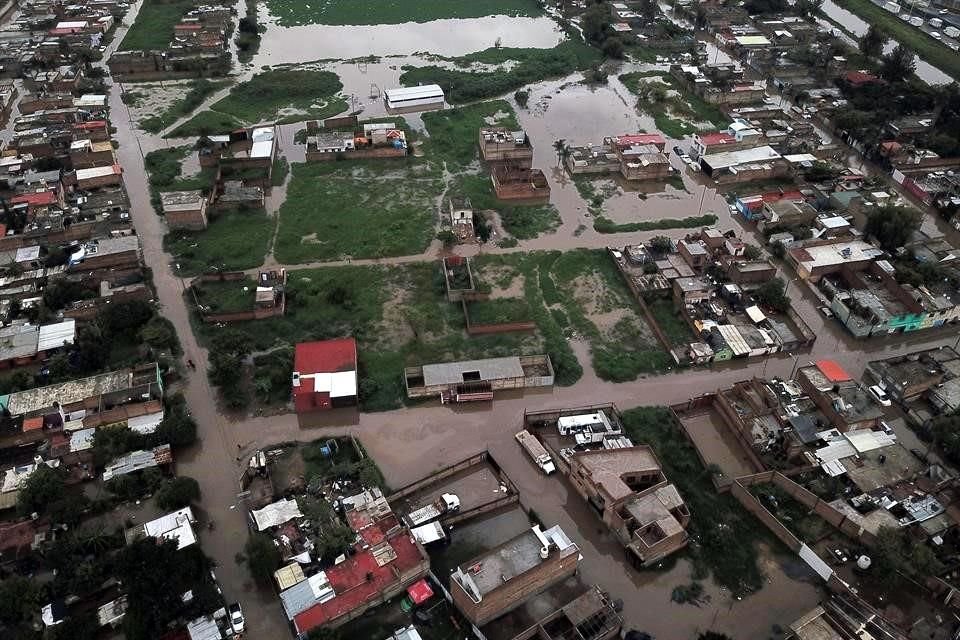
(489, 369)
(53, 336)
(307, 593)
(414, 93)
(204, 628)
(734, 340)
(145, 424)
(276, 513)
(289, 575)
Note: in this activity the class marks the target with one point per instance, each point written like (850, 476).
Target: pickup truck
(446, 503)
(536, 451)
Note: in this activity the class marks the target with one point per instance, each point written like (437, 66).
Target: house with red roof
(325, 375)
(860, 78)
(639, 139)
(716, 141)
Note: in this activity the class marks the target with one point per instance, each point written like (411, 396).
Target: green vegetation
(936, 53)
(281, 168)
(176, 493)
(371, 12)
(773, 294)
(898, 555)
(453, 133)
(271, 376)
(892, 226)
(164, 167)
(400, 317)
(263, 557)
(675, 115)
(199, 90)
(153, 28)
(206, 123)
(233, 241)
(357, 209)
(670, 321)
(726, 534)
(605, 225)
(530, 66)
(499, 310)
(305, 94)
(520, 221)
(225, 296)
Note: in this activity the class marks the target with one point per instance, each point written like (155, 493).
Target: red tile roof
(32, 424)
(833, 371)
(359, 580)
(717, 137)
(640, 138)
(92, 124)
(36, 199)
(857, 78)
(325, 356)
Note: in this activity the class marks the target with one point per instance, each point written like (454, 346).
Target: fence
(493, 327)
(256, 313)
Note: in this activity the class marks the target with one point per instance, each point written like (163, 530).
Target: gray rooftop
(489, 369)
(24, 402)
(505, 562)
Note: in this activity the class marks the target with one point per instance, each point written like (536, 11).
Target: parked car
(880, 395)
(826, 311)
(693, 164)
(677, 150)
(236, 618)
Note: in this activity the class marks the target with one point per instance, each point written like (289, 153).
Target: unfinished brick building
(511, 182)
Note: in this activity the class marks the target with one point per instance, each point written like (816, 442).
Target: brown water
(453, 37)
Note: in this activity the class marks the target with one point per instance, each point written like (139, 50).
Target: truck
(916, 21)
(536, 451)
(892, 7)
(936, 23)
(951, 32)
(446, 503)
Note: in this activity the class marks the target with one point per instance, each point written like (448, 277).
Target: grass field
(153, 28)
(233, 241)
(454, 132)
(368, 12)
(936, 53)
(282, 95)
(523, 222)
(226, 296)
(400, 317)
(670, 321)
(530, 66)
(199, 91)
(358, 209)
(605, 225)
(675, 115)
(726, 535)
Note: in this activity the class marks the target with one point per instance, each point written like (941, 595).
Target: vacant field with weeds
(153, 28)
(358, 209)
(676, 112)
(233, 241)
(370, 12)
(281, 95)
(197, 91)
(401, 317)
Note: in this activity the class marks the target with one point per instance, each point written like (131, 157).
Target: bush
(41, 489)
(263, 557)
(177, 493)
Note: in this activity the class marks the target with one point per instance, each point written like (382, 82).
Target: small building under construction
(476, 380)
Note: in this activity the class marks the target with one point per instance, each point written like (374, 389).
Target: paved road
(410, 442)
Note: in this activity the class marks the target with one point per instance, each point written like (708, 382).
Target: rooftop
(65, 393)
(515, 557)
(608, 468)
(472, 370)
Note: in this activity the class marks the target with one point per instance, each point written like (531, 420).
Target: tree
(125, 317)
(263, 557)
(227, 355)
(892, 226)
(596, 23)
(661, 244)
(807, 7)
(522, 96)
(177, 428)
(560, 146)
(41, 489)
(752, 252)
(155, 575)
(447, 237)
(898, 64)
(176, 493)
(160, 334)
(773, 294)
(871, 43)
(20, 600)
(613, 47)
(946, 433)
(896, 554)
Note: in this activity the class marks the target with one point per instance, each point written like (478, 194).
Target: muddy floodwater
(453, 37)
